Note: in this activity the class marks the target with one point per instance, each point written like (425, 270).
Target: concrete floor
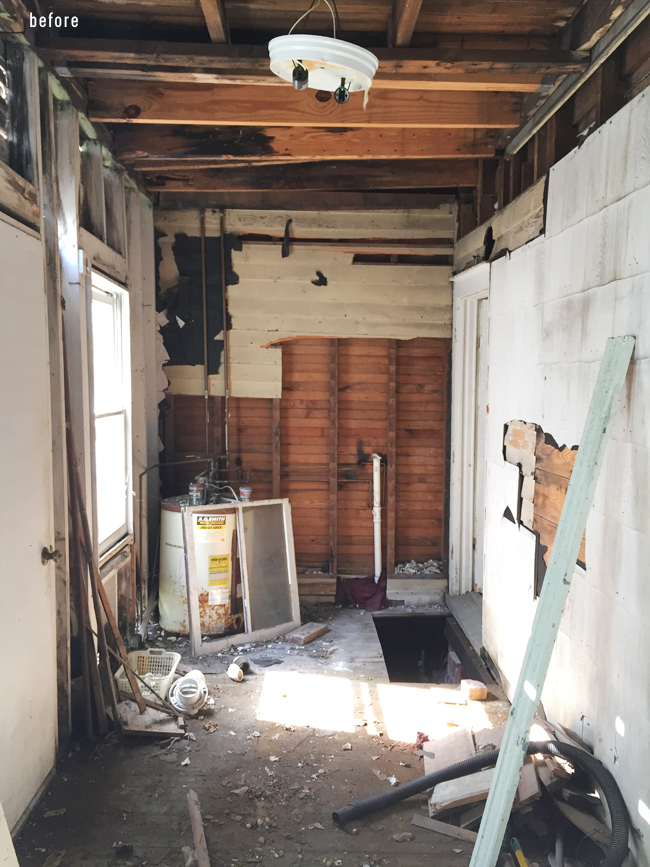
(266, 798)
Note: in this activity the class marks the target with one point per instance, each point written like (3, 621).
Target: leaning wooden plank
(456, 746)
(305, 634)
(198, 831)
(573, 522)
(444, 828)
(472, 816)
(153, 723)
(457, 793)
(594, 829)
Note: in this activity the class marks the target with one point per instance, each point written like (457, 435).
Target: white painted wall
(553, 304)
(276, 300)
(28, 712)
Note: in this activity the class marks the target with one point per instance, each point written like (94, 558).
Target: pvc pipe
(376, 511)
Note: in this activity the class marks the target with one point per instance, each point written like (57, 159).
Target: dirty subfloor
(271, 773)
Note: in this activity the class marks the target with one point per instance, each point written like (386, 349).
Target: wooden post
(276, 440)
(573, 522)
(170, 450)
(334, 446)
(391, 453)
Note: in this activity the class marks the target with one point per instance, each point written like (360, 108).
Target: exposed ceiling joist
(216, 21)
(373, 174)
(156, 146)
(480, 81)
(236, 105)
(252, 61)
(405, 16)
(305, 201)
(590, 23)
(635, 13)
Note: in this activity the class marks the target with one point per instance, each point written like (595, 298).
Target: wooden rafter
(238, 62)
(405, 15)
(157, 147)
(236, 105)
(368, 175)
(216, 21)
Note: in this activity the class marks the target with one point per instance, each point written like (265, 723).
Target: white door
(28, 713)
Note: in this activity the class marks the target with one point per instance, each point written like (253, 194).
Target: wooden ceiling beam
(168, 103)
(370, 175)
(252, 61)
(216, 21)
(590, 23)
(279, 200)
(479, 81)
(158, 146)
(404, 18)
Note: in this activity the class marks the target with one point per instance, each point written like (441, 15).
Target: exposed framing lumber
(404, 19)
(262, 200)
(590, 23)
(18, 197)
(50, 201)
(156, 147)
(239, 105)
(370, 174)
(252, 61)
(276, 440)
(391, 449)
(573, 522)
(198, 831)
(333, 456)
(625, 24)
(215, 19)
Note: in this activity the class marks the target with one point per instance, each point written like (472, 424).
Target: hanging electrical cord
(315, 4)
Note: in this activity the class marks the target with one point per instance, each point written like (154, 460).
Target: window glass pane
(111, 474)
(106, 355)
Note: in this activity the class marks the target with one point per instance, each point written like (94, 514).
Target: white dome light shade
(326, 59)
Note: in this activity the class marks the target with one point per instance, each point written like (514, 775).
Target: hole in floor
(414, 646)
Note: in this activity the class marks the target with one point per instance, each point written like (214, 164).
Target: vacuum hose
(618, 845)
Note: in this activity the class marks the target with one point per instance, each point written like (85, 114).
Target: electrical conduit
(376, 511)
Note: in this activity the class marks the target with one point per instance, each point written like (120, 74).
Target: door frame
(470, 287)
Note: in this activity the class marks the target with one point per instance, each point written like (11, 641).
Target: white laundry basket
(155, 667)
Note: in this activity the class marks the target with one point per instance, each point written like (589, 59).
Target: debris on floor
(412, 567)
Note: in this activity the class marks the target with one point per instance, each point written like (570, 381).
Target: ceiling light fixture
(322, 62)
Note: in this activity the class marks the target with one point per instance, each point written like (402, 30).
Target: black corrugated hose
(618, 845)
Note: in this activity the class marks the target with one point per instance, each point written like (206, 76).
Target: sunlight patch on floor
(312, 700)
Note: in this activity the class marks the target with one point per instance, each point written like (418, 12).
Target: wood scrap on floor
(456, 793)
(198, 831)
(528, 789)
(306, 633)
(153, 723)
(444, 828)
(456, 746)
(473, 690)
(590, 826)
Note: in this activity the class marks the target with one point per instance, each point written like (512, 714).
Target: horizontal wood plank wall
(422, 367)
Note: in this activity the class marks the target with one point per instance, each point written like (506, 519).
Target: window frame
(100, 287)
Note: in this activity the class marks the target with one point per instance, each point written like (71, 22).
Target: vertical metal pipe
(206, 380)
(226, 340)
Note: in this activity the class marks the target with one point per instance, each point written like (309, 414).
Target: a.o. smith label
(210, 528)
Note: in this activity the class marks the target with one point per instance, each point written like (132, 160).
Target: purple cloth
(362, 592)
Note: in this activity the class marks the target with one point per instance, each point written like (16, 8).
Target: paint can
(197, 492)
(245, 493)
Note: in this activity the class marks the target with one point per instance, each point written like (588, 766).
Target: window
(112, 399)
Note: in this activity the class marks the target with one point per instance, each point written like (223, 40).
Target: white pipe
(376, 511)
